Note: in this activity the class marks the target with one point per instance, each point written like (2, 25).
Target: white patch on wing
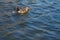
(18, 11)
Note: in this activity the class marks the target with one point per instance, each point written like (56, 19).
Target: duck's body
(22, 11)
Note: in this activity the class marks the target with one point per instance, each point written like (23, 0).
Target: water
(41, 23)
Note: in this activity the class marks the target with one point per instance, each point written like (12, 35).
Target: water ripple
(41, 23)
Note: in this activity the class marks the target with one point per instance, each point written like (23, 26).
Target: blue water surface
(42, 22)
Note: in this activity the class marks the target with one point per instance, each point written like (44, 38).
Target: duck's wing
(17, 9)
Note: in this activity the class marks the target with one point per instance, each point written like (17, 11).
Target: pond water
(42, 22)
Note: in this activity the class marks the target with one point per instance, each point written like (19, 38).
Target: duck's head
(27, 8)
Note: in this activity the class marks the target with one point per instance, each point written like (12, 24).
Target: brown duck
(22, 11)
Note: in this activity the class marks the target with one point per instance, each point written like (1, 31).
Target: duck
(21, 11)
